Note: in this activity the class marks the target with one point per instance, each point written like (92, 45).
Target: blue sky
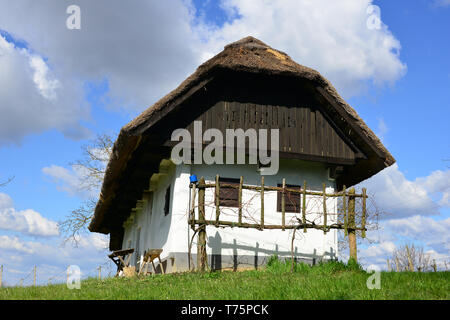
(68, 86)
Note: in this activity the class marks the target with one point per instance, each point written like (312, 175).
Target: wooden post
(262, 203)
(217, 189)
(241, 182)
(397, 264)
(344, 208)
(192, 213)
(201, 245)
(351, 224)
(324, 209)
(388, 265)
(283, 205)
(304, 206)
(363, 218)
(434, 268)
(34, 277)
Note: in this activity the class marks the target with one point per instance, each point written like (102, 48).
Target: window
(167, 202)
(229, 197)
(292, 200)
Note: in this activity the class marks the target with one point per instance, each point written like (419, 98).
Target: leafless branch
(2, 184)
(410, 257)
(92, 166)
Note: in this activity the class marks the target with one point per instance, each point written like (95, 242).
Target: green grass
(332, 280)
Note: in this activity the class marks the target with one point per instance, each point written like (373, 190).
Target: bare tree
(93, 163)
(410, 257)
(2, 184)
(373, 215)
(92, 166)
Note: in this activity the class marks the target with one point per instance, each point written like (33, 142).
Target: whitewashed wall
(225, 246)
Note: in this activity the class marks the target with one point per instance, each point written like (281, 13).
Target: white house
(146, 198)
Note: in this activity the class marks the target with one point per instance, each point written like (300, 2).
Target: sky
(59, 88)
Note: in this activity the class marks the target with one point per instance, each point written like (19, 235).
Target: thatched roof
(246, 55)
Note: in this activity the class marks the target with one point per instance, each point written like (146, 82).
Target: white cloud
(381, 249)
(143, 48)
(26, 221)
(382, 129)
(410, 207)
(67, 180)
(433, 235)
(442, 3)
(47, 87)
(32, 99)
(19, 256)
(93, 240)
(10, 243)
(329, 36)
(438, 182)
(431, 232)
(73, 181)
(151, 46)
(143, 52)
(400, 197)
(5, 201)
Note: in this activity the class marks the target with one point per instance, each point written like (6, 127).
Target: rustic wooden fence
(348, 223)
(36, 275)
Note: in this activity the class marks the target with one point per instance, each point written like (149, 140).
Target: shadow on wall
(219, 261)
(160, 222)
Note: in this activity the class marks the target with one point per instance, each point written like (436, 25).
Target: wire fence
(40, 275)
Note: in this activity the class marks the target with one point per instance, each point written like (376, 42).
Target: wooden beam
(217, 198)
(304, 206)
(201, 245)
(351, 225)
(192, 212)
(271, 188)
(324, 209)
(344, 208)
(363, 218)
(262, 202)
(269, 226)
(351, 123)
(283, 204)
(241, 182)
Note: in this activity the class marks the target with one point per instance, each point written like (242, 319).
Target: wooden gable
(306, 130)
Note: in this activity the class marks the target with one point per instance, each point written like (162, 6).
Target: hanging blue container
(193, 178)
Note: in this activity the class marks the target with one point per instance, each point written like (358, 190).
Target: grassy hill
(332, 280)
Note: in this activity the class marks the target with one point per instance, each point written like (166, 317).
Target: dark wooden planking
(303, 130)
(319, 137)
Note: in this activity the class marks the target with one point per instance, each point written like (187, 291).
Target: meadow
(325, 281)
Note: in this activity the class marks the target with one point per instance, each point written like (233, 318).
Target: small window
(292, 199)
(229, 197)
(167, 202)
